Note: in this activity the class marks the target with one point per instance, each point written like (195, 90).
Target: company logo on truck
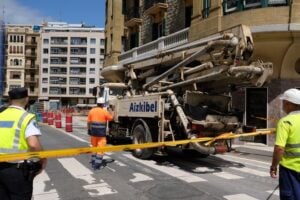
(143, 106)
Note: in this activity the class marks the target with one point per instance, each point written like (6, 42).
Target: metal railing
(163, 43)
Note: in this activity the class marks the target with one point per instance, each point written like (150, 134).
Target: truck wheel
(141, 134)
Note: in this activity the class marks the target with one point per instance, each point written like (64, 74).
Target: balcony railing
(33, 67)
(31, 43)
(163, 43)
(30, 54)
(150, 3)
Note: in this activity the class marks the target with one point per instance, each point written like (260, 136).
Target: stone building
(22, 58)
(136, 29)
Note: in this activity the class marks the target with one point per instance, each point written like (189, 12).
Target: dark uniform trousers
(289, 182)
(13, 184)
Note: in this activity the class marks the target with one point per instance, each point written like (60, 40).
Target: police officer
(287, 147)
(97, 120)
(19, 133)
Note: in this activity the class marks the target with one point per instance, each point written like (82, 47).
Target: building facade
(22, 59)
(151, 26)
(71, 60)
(2, 59)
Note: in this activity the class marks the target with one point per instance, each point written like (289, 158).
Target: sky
(90, 12)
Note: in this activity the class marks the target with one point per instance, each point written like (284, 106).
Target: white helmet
(100, 100)
(291, 95)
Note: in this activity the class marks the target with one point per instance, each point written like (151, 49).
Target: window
(101, 60)
(102, 52)
(158, 30)
(44, 90)
(92, 70)
(92, 50)
(45, 70)
(14, 86)
(92, 80)
(15, 75)
(46, 41)
(45, 80)
(92, 61)
(251, 3)
(92, 41)
(45, 60)
(45, 51)
(102, 41)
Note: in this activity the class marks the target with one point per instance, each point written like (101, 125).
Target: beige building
(147, 27)
(71, 60)
(22, 58)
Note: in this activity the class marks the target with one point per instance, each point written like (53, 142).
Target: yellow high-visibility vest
(13, 123)
(288, 136)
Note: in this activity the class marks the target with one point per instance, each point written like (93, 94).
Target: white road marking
(140, 177)
(256, 163)
(170, 170)
(227, 175)
(79, 171)
(239, 197)
(119, 163)
(203, 170)
(272, 191)
(99, 189)
(39, 186)
(250, 171)
(73, 136)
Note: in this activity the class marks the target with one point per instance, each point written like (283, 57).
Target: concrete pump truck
(183, 92)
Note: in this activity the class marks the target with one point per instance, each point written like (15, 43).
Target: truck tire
(141, 134)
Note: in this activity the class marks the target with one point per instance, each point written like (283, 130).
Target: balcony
(31, 43)
(30, 54)
(31, 80)
(161, 44)
(132, 17)
(32, 67)
(154, 7)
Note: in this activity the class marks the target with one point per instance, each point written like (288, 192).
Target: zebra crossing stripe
(250, 171)
(79, 171)
(170, 170)
(138, 177)
(276, 192)
(39, 188)
(227, 175)
(239, 197)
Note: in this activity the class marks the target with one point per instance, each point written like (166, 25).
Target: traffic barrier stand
(50, 118)
(69, 125)
(58, 120)
(45, 118)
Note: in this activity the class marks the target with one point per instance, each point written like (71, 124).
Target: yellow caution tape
(87, 150)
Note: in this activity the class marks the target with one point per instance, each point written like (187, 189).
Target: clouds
(17, 13)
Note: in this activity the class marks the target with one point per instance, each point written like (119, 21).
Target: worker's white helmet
(291, 95)
(100, 100)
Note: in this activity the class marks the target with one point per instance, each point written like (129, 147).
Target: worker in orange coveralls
(96, 122)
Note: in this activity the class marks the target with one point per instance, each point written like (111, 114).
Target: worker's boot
(93, 158)
(98, 162)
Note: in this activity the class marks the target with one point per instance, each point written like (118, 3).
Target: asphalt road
(233, 176)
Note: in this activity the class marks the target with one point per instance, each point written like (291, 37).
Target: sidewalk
(254, 148)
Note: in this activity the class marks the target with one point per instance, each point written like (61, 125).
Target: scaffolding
(2, 59)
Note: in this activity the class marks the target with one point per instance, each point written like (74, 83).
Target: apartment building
(22, 59)
(152, 26)
(71, 60)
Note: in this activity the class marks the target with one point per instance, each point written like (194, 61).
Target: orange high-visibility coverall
(101, 115)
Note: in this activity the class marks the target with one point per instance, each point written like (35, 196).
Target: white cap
(291, 95)
(100, 100)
